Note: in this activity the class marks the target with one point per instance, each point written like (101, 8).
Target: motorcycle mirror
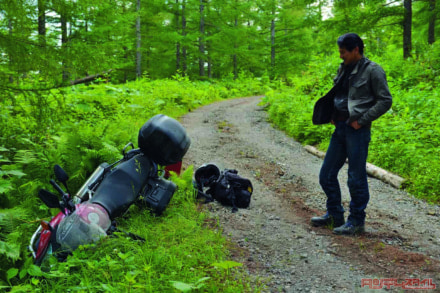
(49, 199)
(60, 174)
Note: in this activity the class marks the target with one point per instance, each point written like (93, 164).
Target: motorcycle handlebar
(57, 187)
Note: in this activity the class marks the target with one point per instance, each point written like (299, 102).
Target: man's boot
(328, 220)
(349, 229)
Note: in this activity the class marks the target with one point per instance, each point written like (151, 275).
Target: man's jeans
(346, 142)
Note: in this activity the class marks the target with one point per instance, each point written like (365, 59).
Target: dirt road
(274, 238)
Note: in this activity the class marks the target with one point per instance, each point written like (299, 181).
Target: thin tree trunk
(125, 78)
(432, 18)
(184, 65)
(202, 40)
(138, 41)
(208, 46)
(42, 23)
(209, 65)
(11, 59)
(176, 18)
(272, 47)
(42, 29)
(407, 21)
(64, 41)
(235, 53)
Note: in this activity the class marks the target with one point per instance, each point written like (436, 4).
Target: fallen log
(90, 78)
(374, 171)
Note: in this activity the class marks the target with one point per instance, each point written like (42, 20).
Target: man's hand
(355, 125)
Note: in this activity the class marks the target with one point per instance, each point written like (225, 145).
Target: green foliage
(101, 39)
(12, 242)
(184, 287)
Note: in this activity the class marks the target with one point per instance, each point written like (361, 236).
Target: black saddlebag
(157, 194)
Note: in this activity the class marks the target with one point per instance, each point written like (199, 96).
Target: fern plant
(11, 237)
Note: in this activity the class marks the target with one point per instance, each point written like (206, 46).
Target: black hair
(350, 41)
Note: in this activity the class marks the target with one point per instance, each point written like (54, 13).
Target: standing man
(360, 95)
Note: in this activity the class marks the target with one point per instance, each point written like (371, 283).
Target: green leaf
(107, 287)
(4, 160)
(11, 273)
(10, 250)
(123, 256)
(17, 173)
(183, 287)
(23, 273)
(5, 185)
(228, 264)
(35, 271)
(201, 280)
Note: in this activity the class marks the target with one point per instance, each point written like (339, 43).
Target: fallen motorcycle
(110, 190)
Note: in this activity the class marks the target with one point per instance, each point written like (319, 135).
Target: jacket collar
(359, 65)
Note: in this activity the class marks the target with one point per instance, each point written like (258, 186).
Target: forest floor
(273, 238)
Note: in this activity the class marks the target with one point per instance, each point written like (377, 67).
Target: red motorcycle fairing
(42, 241)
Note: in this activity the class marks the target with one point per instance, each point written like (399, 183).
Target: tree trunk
(11, 59)
(202, 40)
(42, 22)
(42, 30)
(209, 66)
(272, 46)
(407, 21)
(184, 65)
(138, 41)
(235, 53)
(125, 78)
(432, 18)
(63, 20)
(176, 19)
(208, 45)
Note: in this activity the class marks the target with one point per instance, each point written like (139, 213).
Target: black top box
(164, 140)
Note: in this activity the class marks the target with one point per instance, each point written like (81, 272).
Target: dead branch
(90, 78)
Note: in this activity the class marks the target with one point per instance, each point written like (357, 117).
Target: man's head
(351, 48)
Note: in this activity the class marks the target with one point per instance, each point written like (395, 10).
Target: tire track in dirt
(274, 239)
